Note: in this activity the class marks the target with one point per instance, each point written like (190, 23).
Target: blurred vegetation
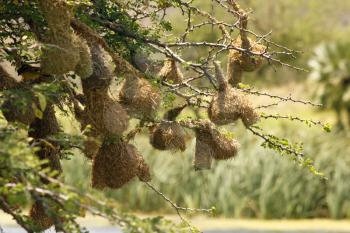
(331, 70)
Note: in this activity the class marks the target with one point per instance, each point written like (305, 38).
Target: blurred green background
(259, 183)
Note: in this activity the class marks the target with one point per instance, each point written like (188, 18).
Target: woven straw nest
(58, 13)
(168, 136)
(210, 143)
(139, 97)
(116, 164)
(234, 72)
(61, 53)
(64, 50)
(85, 67)
(245, 61)
(170, 72)
(106, 115)
(39, 217)
(228, 105)
(102, 75)
(115, 118)
(203, 153)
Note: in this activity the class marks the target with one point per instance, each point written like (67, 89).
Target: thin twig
(292, 118)
(175, 206)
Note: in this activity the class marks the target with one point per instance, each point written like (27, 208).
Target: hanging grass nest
(139, 97)
(115, 118)
(84, 67)
(102, 75)
(61, 53)
(106, 115)
(223, 148)
(211, 143)
(116, 164)
(170, 72)
(39, 217)
(234, 72)
(58, 13)
(18, 112)
(169, 135)
(203, 152)
(247, 62)
(228, 105)
(239, 61)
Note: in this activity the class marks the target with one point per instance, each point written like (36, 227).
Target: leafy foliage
(331, 70)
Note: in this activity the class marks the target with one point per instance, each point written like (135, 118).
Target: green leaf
(38, 113)
(327, 127)
(243, 86)
(42, 101)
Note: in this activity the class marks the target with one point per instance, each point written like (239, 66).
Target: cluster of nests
(115, 161)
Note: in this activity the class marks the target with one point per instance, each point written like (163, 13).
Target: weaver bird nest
(228, 105)
(139, 97)
(116, 164)
(170, 72)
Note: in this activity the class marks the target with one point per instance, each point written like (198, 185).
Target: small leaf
(42, 101)
(327, 127)
(243, 86)
(38, 113)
